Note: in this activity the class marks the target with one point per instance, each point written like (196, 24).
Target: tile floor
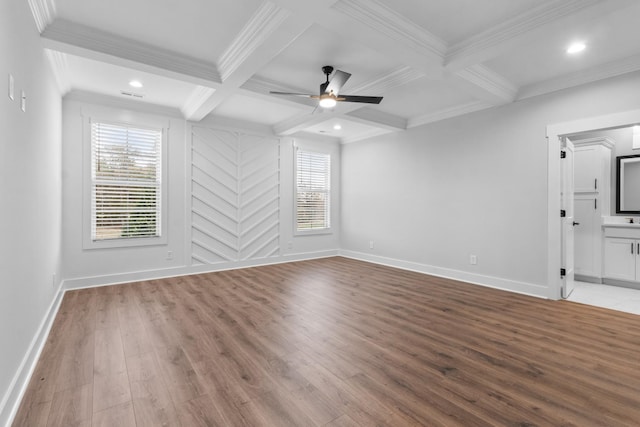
(613, 297)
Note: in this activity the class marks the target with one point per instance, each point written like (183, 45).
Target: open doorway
(560, 239)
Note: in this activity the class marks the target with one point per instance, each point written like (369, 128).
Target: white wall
(29, 197)
(88, 267)
(430, 197)
(91, 266)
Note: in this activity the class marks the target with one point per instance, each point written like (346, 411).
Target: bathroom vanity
(621, 254)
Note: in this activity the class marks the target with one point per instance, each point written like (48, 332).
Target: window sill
(124, 243)
(317, 232)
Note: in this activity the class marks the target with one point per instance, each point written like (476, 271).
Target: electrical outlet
(169, 255)
(473, 260)
(370, 244)
(23, 101)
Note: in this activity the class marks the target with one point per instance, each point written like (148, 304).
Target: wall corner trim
(11, 400)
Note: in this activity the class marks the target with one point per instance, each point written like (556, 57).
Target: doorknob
(575, 223)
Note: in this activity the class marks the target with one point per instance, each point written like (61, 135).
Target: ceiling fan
(330, 89)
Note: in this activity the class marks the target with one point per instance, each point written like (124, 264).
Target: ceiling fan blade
(365, 99)
(337, 81)
(291, 93)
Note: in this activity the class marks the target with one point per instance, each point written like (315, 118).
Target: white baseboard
(12, 398)
(136, 276)
(463, 276)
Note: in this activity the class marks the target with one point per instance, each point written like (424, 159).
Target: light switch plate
(23, 101)
(11, 96)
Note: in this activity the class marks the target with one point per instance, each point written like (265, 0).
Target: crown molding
(197, 98)
(60, 68)
(86, 41)
(389, 81)
(495, 88)
(260, 26)
(447, 113)
(477, 48)
(44, 13)
(600, 72)
(382, 18)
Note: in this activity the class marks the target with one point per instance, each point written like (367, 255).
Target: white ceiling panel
(429, 60)
(609, 38)
(423, 96)
(93, 76)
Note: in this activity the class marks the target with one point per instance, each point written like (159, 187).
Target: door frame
(554, 231)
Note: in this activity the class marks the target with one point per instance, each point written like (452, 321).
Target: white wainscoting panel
(235, 196)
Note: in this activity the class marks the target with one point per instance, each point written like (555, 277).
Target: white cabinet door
(587, 168)
(620, 258)
(586, 237)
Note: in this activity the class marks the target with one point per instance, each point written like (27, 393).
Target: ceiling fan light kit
(327, 101)
(328, 97)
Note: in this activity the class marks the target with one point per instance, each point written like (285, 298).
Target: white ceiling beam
(526, 27)
(259, 87)
(485, 85)
(87, 42)
(269, 31)
(446, 113)
(198, 96)
(379, 119)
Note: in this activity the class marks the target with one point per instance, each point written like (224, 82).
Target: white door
(584, 214)
(568, 221)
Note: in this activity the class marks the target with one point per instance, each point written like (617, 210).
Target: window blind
(312, 190)
(126, 181)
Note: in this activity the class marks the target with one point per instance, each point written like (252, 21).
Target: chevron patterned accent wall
(235, 196)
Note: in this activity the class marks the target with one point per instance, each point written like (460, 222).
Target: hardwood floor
(331, 342)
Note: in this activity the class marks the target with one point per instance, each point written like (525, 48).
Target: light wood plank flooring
(331, 342)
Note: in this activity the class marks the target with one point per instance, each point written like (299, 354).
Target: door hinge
(563, 272)
(563, 154)
(563, 213)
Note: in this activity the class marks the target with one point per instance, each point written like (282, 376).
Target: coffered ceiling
(430, 60)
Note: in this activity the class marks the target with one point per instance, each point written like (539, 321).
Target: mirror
(628, 184)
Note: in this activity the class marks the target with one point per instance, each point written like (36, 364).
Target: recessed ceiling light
(337, 126)
(576, 47)
(135, 83)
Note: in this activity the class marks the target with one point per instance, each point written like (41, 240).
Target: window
(312, 191)
(126, 182)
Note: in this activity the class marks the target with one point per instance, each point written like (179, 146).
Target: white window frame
(133, 120)
(312, 231)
